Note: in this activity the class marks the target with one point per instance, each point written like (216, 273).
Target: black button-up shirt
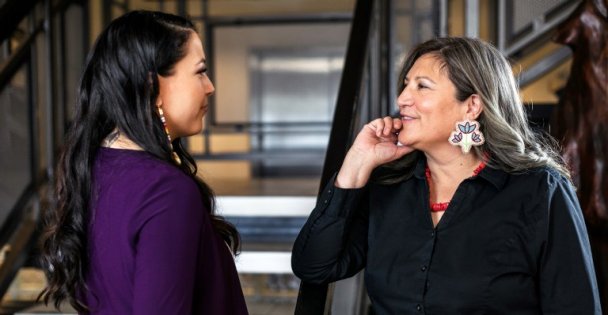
(507, 244)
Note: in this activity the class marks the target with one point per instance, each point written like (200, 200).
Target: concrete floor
(265, 294)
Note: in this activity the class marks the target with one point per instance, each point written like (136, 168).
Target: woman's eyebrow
(420, 77)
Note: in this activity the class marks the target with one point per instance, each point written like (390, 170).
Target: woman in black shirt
(456, 207)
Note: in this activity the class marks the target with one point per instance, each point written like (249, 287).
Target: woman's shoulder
(135, 186)
(542, 182)
(142, 172)
(544, 174)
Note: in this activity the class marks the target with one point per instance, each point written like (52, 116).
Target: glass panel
(14, 141)
(283, 84)
(283, 50)
(413, 25)
(296, 89)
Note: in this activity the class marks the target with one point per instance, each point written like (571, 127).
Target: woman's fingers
(391, 125)
(397, 124)
(388, 126)
(385, 129)
(377, 125)
(377, 143)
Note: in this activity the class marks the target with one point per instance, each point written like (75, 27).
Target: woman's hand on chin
(376, 144)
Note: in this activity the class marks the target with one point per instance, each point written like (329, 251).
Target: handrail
(539, 29)
(349, 91)
(15, 215)
(285, 19)
(313, 298)
(544, 66)
(19, 58)
(11, 14)
(536, 34)
(18, 236)
(9, 24)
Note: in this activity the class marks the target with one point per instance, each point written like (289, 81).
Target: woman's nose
(209, 88)
(404, 98)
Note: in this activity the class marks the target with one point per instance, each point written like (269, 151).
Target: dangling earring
(467, 134)
(164, 121)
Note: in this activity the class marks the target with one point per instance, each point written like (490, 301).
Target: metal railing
(42, 55)
(313, 298)
(514, 42)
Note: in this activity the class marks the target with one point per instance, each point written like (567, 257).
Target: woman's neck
(117, 140)
(451, 169)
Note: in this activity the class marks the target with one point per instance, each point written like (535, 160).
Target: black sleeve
(332, 245)
(567, 277)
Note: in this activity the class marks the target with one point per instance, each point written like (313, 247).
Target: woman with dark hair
(132, 229)
(457, 206)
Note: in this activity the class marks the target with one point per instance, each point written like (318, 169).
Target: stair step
(265, 206)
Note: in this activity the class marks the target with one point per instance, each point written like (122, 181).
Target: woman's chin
(404, 141)
(193, 132)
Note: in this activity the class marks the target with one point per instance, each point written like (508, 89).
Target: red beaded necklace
(442, 206)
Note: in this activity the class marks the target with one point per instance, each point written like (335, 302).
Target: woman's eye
(202, 71)
(421, 86)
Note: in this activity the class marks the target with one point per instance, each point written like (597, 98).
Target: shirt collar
(496, 177)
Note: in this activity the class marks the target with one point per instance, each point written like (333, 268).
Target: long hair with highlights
(476, 67)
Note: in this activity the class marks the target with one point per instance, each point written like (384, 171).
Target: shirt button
(433, 234)
(423, 268)
(419, 307)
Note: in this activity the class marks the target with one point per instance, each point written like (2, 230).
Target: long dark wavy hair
(118, 90)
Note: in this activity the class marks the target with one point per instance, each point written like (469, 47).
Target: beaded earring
(466, 135)
(164, 121)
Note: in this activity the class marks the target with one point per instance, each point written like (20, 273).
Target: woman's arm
(167, 248)
(567, 277)
(332, 245)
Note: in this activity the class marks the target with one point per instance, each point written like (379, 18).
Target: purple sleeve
(166, 249)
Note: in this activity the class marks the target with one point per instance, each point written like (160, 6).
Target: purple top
(151, 244)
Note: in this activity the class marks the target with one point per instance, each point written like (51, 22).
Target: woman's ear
(159, 99)
(474, 107)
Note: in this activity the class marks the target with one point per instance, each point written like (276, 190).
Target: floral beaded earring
(164, 121)
(466, 135)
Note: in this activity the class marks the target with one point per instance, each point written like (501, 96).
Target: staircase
(267, 207)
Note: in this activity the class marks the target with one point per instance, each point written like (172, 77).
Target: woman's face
(428, 106)
(184, 94)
